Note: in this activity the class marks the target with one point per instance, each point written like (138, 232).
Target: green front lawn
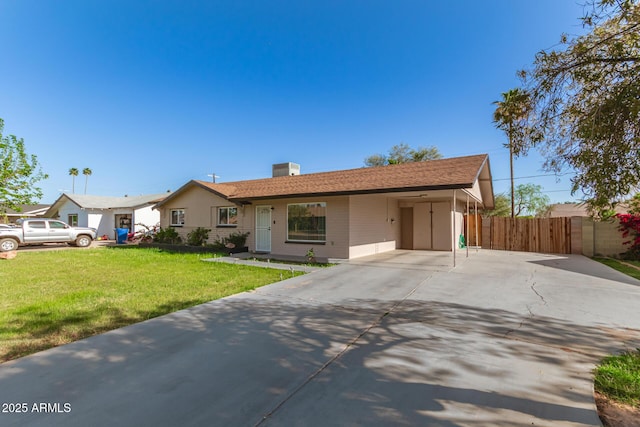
(618, 377)
(51, 298)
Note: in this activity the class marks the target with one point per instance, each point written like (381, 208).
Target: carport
(435, 220)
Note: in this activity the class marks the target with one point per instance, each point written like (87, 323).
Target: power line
(533, 176)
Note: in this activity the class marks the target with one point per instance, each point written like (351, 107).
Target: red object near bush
(630, 227)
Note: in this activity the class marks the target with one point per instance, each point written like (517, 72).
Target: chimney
(285, 169)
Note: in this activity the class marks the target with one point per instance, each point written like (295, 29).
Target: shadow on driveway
(576, 265)
(256, 359)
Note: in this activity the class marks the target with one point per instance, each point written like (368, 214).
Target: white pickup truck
(44, 230)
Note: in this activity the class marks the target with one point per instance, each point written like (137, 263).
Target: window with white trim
(177, 217)
(307, 222)
(72, 220)
(228, 216)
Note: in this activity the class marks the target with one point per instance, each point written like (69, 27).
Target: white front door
(263, 228)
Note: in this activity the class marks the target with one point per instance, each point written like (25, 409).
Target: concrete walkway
(254, 262)
(504, 339)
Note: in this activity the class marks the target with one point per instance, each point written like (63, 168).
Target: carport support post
(466, 241)
(453, 228)
(475, 214)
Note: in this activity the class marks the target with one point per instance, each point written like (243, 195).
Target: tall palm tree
(510, 116)
(86, 172)
(73, 172)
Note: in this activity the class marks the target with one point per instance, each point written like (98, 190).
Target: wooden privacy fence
(546, 235)
(474, 236)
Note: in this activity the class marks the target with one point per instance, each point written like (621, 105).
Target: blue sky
(150, 94)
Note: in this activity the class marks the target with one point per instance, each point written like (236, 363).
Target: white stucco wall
(99, 220)
(337, 238)
(145, 215)
(374, 225)
(201, 209)
(69, 208)
(87, 218)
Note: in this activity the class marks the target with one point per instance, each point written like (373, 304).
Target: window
(177, 217)
(73, 220)
(57, 224)
(307, 222)
(228, 216)
(37, 224)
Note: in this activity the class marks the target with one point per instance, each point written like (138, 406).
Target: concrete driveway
(504, 339)
(64, 246)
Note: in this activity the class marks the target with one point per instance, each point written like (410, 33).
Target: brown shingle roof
(458, 172)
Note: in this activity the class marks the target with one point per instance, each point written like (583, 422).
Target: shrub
(237, 239)
(234, 240)
(198, 236)
(167, 235)
(311, 255)
(630, 228)
(218, 245)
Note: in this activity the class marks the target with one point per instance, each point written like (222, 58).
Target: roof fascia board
(468, 193)
(55, 206)
(72, 201)
(186, 186)
(354, 192)
(487, 165)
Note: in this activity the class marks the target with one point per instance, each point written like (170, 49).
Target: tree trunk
(511, 167)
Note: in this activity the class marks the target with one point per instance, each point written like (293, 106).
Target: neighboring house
(26, 211)
(576, 209)
(342, 214)
(559, 210)
(106, 213)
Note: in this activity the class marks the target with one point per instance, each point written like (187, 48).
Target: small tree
(511, 115)
(530, 200)
(19, 174)
(402, 153)
(501, 207)
(586, 96)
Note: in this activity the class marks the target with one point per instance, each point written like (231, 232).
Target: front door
(406, 228)
(263, 228)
